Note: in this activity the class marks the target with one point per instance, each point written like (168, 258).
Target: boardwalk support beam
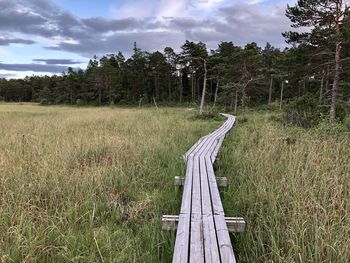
(221, 181)
(234, 224)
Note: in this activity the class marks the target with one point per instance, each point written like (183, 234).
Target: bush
(2, 99)
(44, 102)
(79, 102)
(346, 123)
(242, 119)
(331, 128)
(304, 112)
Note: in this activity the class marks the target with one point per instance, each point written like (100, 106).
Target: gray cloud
(99, 24)
(123, 41)
(57, 61)
(240, 23)
(7, 41)
(6, 76)
(33, 67)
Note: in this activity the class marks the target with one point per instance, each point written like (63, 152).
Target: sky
(47, 36)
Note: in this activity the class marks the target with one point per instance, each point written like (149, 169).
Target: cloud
(7, 75)
(57, 61)
(33, 67)
(99, 24)
(4, 41)
(153, 24)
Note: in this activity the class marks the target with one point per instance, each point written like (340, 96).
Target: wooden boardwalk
(202, 228)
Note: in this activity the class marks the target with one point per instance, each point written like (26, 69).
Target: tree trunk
(169, 87)
(197, 89)
(336, 81)
(270, 90)
(321, 86)
(192, 86)
(109, 88)
(99, 95)
(281, 100)
(327, 80)
(236, 100)
(181, 87)
(201, 108)
(244, 96)
(216, 92)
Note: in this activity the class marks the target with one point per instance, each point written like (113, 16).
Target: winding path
(202, 233)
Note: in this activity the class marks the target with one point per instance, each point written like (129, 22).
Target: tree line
(230, 76)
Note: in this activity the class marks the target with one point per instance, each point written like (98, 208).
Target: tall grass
(292, 186)
(90, 184)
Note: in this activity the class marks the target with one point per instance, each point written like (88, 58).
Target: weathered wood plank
(234, 224)
(220, 181)
(211, 249)
(181, 252)
(196, 245)
(214, 191)
(225, 246)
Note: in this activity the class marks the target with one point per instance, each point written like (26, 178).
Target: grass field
(292, 186)
(90, 185)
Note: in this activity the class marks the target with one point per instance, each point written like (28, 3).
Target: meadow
(91, 184)
(292, 187)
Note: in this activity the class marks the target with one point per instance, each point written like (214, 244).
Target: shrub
(304, 112)
(44, 102)
(79, 102)
(242, 119)
(346, 123)
(2, 99)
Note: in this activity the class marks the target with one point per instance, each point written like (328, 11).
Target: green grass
(91, 184)
(292, 187)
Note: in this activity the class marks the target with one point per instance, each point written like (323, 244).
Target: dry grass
(292, 186)
(90, 184)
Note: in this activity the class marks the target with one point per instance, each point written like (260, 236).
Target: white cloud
(172, 8)
(209, 4)
(137, 9)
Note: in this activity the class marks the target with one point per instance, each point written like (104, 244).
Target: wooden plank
(216, 150)
(214, 191)
(196, 235)
(211, 249)
(187, 192)
(225, 246)
(206, 198)
(196, 244)
(234, 224)
(196, 188)
(169, 222)
(181, 252)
